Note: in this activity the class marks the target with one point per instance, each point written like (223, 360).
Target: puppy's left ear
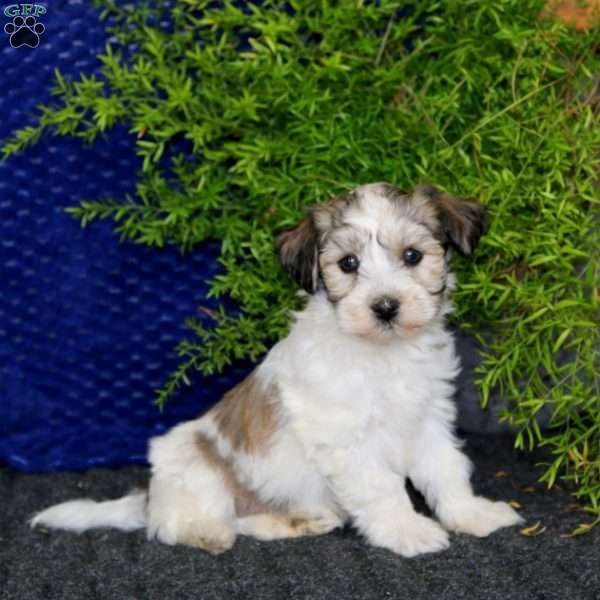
(462, 222)
(299, 253)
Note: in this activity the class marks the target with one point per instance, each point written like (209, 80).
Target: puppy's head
(382, 255)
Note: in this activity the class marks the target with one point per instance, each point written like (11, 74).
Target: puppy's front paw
(414, 535)
(479, 516)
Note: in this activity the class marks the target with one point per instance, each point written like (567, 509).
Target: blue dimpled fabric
(88, 325)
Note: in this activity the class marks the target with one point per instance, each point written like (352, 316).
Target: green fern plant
(241, 118)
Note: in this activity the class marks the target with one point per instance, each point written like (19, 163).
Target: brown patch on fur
(297, 522)
(246, 501)
(247, 415)
(462, 222)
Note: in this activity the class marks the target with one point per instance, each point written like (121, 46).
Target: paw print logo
(24, 32)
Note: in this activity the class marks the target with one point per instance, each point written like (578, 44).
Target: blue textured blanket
(88, 326)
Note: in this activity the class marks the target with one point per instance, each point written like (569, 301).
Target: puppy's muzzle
(385, 308)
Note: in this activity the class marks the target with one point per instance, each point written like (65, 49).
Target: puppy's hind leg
(189, 501)
(275, 525)
(178, 515)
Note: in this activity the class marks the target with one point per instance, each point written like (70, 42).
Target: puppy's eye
(412, 257)
(349, 264)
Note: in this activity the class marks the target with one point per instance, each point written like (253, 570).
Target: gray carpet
(110, 564)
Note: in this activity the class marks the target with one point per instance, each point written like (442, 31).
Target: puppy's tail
(127, 513)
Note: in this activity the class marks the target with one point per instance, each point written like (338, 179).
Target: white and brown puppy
(357, 398)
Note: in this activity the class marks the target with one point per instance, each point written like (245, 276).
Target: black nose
(385, 308)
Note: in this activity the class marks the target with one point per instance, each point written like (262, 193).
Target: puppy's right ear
(299, 253)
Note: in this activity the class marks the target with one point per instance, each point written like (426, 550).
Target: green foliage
(489, 102)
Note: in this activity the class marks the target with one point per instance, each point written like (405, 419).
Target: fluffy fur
(355, 400)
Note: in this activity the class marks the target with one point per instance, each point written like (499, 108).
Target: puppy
(355, 400)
